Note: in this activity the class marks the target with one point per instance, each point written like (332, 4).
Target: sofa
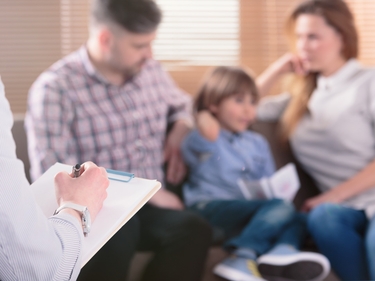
(282, 155)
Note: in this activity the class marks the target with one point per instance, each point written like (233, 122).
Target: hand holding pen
(89, 188)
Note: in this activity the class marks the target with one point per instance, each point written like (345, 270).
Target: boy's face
(235, 113)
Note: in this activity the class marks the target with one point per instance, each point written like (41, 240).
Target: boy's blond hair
(223, 82)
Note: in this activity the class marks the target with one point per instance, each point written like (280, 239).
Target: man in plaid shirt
(111, 103)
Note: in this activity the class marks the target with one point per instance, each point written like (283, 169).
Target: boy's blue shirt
(215, 167)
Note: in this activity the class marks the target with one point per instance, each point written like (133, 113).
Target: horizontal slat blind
(194, 35)
(364, 12)
(74, 18)
(29, 43)
(33, 35)
(198, 32)
(263, 31)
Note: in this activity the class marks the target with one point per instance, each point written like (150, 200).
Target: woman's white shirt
(336, 138)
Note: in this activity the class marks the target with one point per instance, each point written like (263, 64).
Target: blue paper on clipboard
(119, 175)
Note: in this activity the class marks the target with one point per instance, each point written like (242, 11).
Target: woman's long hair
(336, 14)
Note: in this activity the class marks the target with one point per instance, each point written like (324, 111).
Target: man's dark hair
(137, 16)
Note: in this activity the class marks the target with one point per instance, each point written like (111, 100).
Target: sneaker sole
(234, 275)
(297, 267)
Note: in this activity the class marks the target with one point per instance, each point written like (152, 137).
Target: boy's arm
(207, 125)
(201, 140)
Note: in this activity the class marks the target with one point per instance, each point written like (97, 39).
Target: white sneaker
(238, 269)
(285, 263)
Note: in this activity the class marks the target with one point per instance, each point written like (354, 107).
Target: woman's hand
(329, 196)
(359, 183)
(288, 63)
(208, 125)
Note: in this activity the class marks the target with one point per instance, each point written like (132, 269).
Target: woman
(329, 118)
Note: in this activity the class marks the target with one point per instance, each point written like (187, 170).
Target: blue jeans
(346, 237)
(255, 224)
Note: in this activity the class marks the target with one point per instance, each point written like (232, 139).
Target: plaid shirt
(75, 115)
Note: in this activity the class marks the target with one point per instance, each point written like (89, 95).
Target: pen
(76, 170)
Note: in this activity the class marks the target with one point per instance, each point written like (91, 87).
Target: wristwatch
(85, 215)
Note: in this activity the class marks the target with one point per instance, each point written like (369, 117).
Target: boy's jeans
(255, 224)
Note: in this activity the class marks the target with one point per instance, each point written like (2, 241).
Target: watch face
(86, 221)
(86, 218)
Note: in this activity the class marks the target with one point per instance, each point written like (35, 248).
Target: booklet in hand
(284, 184)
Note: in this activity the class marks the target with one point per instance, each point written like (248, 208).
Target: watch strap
(83, 210)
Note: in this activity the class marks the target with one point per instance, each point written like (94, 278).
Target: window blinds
(74, 19)
(364, 11)
(195, 35)
(198, 32)
(29, 43)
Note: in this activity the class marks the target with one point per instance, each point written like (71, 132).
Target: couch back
(280, 149)
(283, 155)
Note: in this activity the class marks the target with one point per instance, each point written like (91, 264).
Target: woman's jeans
(347, 238)
(255, 224)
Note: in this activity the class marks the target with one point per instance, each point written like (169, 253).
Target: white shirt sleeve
(271, 108)
(32, 247)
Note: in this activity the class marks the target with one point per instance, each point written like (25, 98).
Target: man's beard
(130, 71)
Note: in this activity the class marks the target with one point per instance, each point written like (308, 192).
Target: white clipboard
(123, 201)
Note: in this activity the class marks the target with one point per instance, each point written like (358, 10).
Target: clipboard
(126, 195)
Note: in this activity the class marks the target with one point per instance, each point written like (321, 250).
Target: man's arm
(180, 118)
(180, 115)
(176, 170)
